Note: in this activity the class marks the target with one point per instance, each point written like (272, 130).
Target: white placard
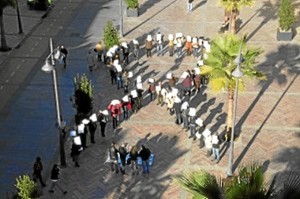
(206, 133)
(189, 38)
(125, 98)
(134, 93)
(93, 117)
(171, 37)
(77, 140)
(199, 122)
(192, 112)
(130, 74)
(80, 128)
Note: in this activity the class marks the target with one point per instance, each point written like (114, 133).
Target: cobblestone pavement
(266, 115)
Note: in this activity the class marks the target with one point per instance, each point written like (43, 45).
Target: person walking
(149, 45)
(125, 50)
(91, 61)
(151, 89)
(216, 147)
(102, 118)
(171, 45)
(76, 150)
(125, 77)
(145, 155)
(126, 106)
(64, 52)
(179, 44)
(113, 74)
(55, 172)
(37, 171)
(133, 156)
(192, 119)
(158, 88)
(99, 49)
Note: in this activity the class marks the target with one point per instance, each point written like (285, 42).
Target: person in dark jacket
(145, 155)
(133, 156)
(122, 154)
(64, 52)
(113, 74)
(75, 152)
(177, 108)
(54, 178)
(37, 171)
(92, 127)
(102, 118)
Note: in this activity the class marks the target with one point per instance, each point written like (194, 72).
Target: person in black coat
(54, 178)
(133, 157)
(114, 157)
(102, 118)
(122, 153)
(75, 152)
(145, 155)
(64, 52)
(37, 171)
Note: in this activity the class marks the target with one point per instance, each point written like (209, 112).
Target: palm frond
(201, 184)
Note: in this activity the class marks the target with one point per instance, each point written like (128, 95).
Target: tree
(249, 183)
(111, 35)
(83, 94)
(26, 187)
(3, 4)
(220, 64)
(234, 6)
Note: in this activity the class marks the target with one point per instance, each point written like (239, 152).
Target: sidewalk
(268, 135)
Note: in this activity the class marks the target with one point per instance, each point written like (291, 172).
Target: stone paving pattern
(267, 113)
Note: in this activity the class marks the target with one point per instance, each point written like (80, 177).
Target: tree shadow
(201, 3)
(147, 5)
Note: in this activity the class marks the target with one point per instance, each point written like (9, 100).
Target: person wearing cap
(102, 118)
(64, 52)
(216, 147)
(149, 45)
(159, 43)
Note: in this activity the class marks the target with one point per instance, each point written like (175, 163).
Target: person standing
(102, 118)
(91, 61)
(76, 149)
(99, 49)
(125, 77)
(92, 127)
(208, 141)
(126, 106)
(136, 48)
(188, 45)
(216, 147)
(192, 119)
(64, 52)
(151, 89)
(145, 155)
(159, 43)
(179, 46)
(171, 45)
(37, 171)
(114, 157)
(185, 111)
(189, 6)
(133, 156)
(149, 45)
(113, 74)
(55, 172)
(122, 155)
(158, 88)
(177, 106)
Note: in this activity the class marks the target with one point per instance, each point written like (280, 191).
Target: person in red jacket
(115, 110)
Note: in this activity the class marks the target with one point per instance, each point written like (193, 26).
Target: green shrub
(286, 15)
(83, 93)
(26, 187)
(111, 35)
(133, 4)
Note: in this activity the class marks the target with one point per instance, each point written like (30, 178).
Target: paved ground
(267, 111)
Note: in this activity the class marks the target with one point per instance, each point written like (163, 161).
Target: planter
(285, 36)
(132, 12)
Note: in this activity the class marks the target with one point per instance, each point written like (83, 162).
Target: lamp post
(237, 73)
(121, 18)
(49, 67)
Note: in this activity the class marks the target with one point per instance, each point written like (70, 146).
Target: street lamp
(121, 18)
(48, 67)
(237, 73)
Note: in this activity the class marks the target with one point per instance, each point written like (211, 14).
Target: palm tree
(220, 64)
(3, 4)
(234, 6)
(248, 184)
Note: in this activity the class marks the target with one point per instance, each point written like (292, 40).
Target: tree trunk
(233, 21)
(4, 46)
(230, 109)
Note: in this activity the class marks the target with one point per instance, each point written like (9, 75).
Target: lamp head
(237, 72)
(47, 67)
